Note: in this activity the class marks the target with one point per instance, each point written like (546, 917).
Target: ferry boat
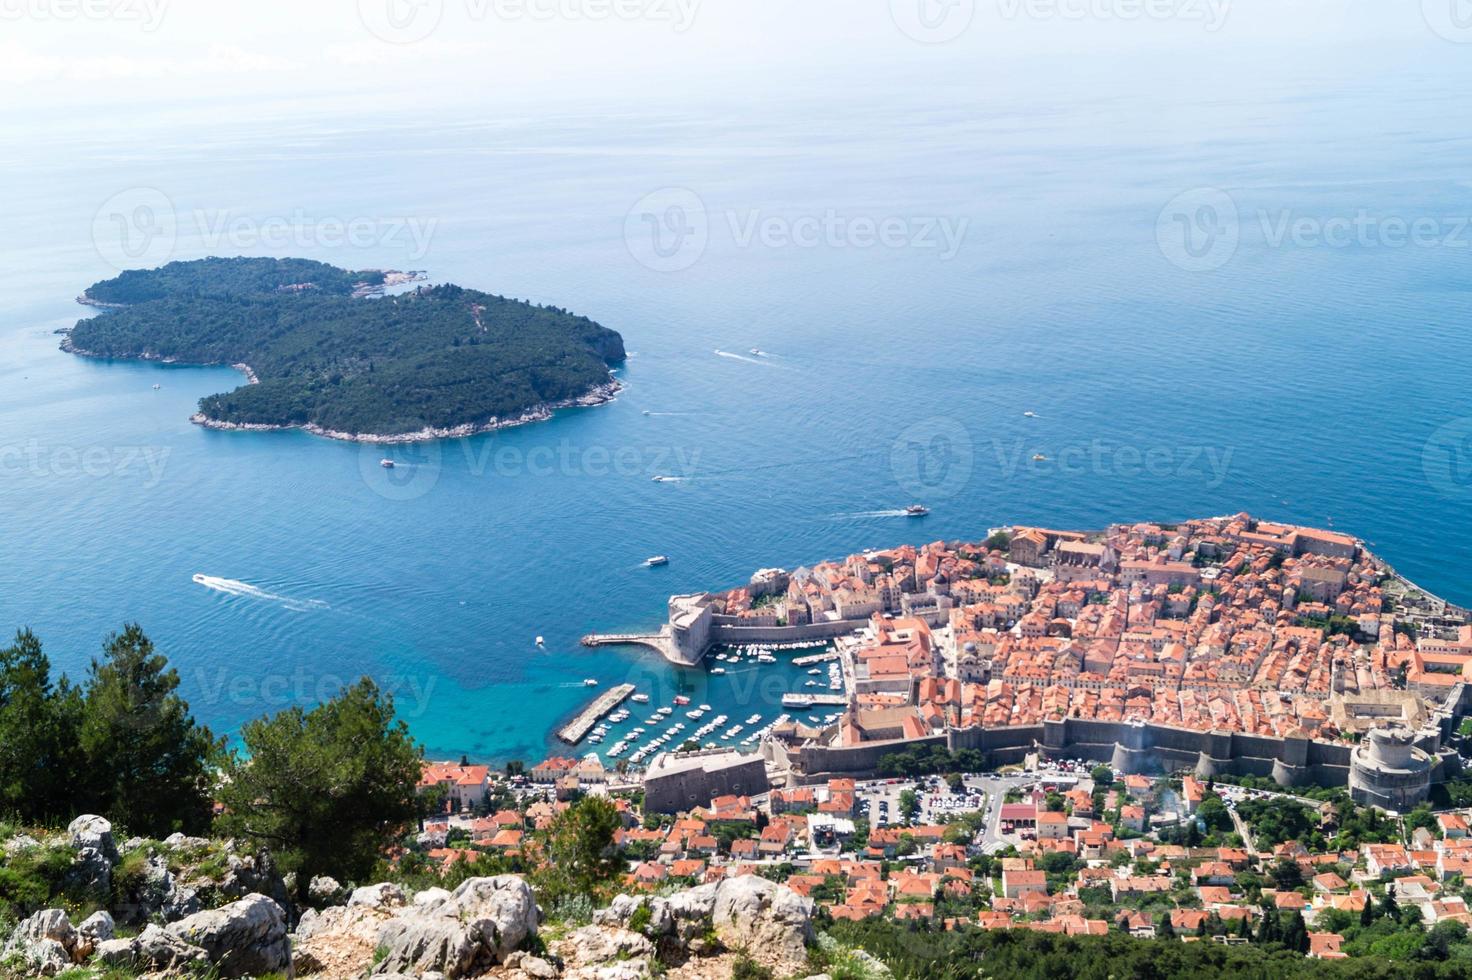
(916, 510)
(590, 682)
(656, 561)
(387, 464)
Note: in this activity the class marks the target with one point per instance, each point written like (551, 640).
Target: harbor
(578, 728)
(800, 701)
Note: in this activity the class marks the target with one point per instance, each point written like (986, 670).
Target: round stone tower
(1387, 770)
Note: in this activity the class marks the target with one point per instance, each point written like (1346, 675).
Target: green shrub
(747, 968)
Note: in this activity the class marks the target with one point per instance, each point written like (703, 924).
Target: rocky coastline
(600, 395)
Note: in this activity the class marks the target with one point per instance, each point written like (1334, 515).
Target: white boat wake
(244, 590)
(870, 513)
(743, 357)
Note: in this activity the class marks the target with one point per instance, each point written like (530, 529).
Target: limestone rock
(91, 835)
(152, 949)
(324, 890)
(382, 896)
(751, 912)
(46, 942)
(96, 928)
(482, 923)
(245, 937)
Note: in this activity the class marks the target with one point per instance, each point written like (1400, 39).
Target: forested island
(323, 352)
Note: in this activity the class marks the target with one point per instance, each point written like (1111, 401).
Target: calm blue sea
(1202, 300)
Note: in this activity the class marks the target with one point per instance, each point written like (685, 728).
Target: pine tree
(1167, 930)
(149, 764)
(1367, 914)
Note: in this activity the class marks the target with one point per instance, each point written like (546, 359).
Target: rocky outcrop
(96, 928)
(254, 874)
(46, 942)
(324, 890)
(383, 896)
(154, 893)
(339, 941)
(479, 926)
(91, 836)
(749, 913)
(150, 950)
(243, 938)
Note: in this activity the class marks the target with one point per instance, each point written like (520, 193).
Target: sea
(1065, 305)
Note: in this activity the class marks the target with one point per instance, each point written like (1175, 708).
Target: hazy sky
(86, 55)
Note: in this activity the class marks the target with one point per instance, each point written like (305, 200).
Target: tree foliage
(437, 357)
(327, 790)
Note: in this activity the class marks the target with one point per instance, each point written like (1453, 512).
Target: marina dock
(814, 700)
(578, 728)
(815, 658)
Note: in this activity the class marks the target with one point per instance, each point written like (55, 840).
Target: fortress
(1221, 646)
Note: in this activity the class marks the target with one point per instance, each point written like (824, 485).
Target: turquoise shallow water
(1299, 381)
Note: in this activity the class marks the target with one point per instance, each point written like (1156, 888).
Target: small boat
(1029, 415)
(386, 463)
(916, 510)
(541, 642)
(590, 682)
(705, 707)
(815, 671)
(758, 352)
(656, 560)
(646, 411)
(157, 387)
(681, 700)
(640, 699)
(1039, 458)
(718, 671)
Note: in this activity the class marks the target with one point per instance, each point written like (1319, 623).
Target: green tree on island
(326, 790)
(149, 764)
